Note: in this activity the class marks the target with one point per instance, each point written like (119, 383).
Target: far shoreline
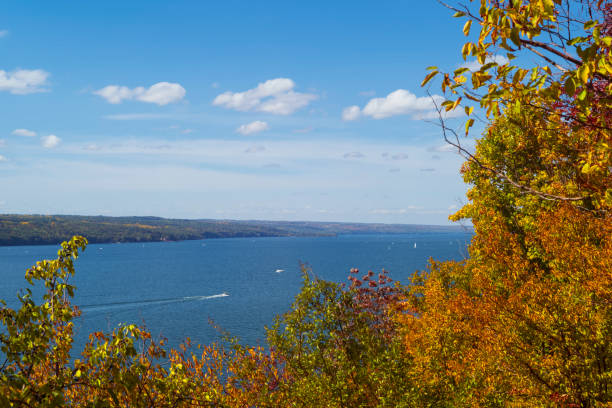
(37, 230)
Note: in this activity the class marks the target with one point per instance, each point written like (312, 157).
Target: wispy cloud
(92, 147)
(161, 93)
(275, 96)
(140, 116)
(4, 33)
(253, 127)
(23, 81)
(304, 130)
(353, 155)
(24, 132)
(388, 211)
(443, 148)
(255, 149)
(2, 158)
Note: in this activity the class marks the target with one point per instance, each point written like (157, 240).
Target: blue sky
(236, 109)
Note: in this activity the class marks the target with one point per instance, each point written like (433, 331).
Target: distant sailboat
(415, 244)
(280, 270)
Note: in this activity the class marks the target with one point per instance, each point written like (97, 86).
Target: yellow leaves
(450, 105)
(454, 105)
(466, 27)
(583, 73)
(467, 50)
(468, 125)
(429, 77)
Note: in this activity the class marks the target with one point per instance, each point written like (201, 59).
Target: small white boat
(415, 244)
(280, 270)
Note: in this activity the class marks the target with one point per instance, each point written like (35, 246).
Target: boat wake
(149, 302)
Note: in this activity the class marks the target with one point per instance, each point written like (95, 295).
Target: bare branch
(470, 157)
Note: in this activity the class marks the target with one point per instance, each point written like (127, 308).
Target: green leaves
(40, 336)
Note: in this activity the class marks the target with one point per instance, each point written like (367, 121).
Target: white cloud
(3, 33)
(475, 65)
(274, 96)
(253, 127)
(2, 142)
(351, 113)
(400, 102)
(2, 158)
(161, 93)
(23, 81)
(399, 156)
(23, 132)
(50, 141)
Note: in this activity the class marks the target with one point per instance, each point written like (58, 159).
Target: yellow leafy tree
(527, 319)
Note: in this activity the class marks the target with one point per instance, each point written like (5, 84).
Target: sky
(275, 110)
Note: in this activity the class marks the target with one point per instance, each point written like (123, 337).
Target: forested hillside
(53, 229)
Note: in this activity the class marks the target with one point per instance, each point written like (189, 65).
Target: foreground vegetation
(54, 229)
(525, 321)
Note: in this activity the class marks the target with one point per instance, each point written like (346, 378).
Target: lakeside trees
(525, 321)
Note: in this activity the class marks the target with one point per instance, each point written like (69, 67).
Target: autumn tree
(527, 319)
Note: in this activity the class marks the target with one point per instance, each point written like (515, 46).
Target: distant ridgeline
(53, 229)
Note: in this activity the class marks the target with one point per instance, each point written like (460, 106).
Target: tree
(339, 346)
(527, 319)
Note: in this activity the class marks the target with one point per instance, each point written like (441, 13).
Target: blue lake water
(175, 288)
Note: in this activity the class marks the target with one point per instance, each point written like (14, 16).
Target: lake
(176, 288)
